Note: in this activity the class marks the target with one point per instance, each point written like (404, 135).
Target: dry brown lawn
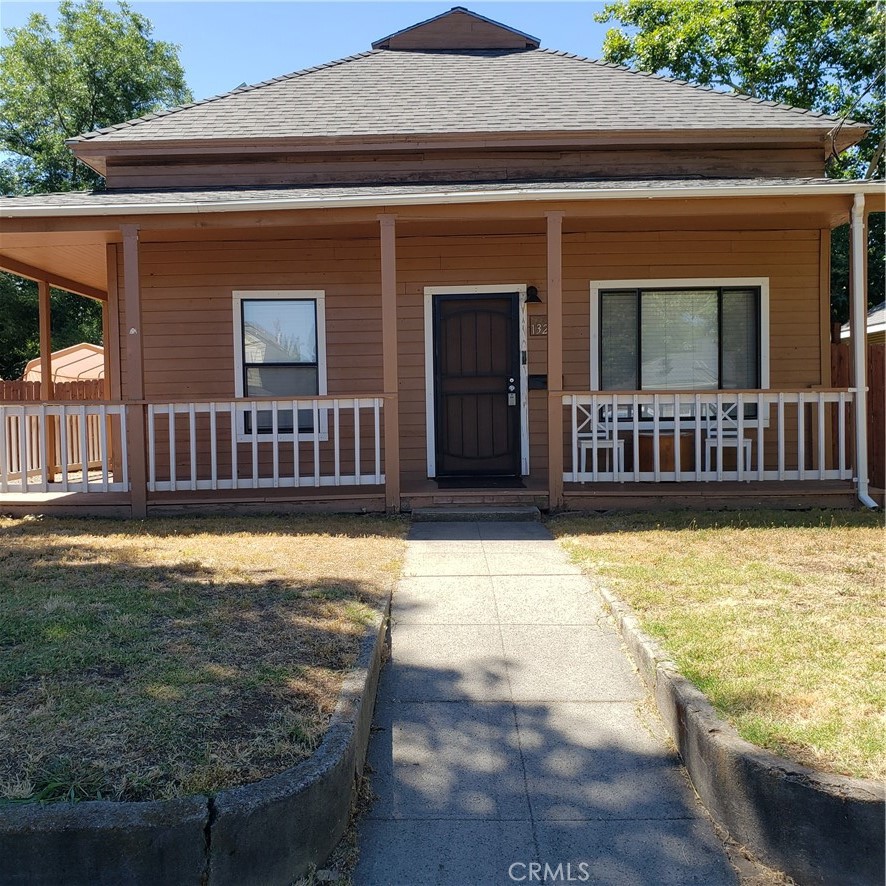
(144, 660)
(778, 617)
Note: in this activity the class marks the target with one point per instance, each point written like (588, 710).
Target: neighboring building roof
(74, 363)
(318, 196)
(386, 93)
(876, 322)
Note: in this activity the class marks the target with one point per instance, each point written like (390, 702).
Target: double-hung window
(673, 336)
(280, 352)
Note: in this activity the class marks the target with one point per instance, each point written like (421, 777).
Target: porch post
(44, 307)
(858, 298)
(111, 344)
(135, 388)
(388, 235)
(555, 357)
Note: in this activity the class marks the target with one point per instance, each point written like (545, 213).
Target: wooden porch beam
(804, 212)
(20, 269)
(555, 357)
(388, 235)
(135, 385)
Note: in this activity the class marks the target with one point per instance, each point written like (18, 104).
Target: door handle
(512, 399)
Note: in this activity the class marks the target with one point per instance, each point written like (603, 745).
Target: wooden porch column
(388, 235)
(44, 307)
(555, 358)
(135, 386)
(111, 345)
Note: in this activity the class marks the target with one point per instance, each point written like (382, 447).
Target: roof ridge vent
(458, 28)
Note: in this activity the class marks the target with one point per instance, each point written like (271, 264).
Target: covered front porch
(159, 441)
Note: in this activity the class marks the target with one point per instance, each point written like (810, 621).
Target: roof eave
(440, 197)
(812, 135)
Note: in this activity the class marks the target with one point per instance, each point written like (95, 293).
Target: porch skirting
(576, 497)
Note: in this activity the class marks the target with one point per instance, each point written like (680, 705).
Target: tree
(825, 55)
(74, 319)
(93, 68)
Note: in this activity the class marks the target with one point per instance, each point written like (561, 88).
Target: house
(456, 267)
(875, 326)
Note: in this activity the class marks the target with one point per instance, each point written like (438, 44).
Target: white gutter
(431, 198)
(859, 349)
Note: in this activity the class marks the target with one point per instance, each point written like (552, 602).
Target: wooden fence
(841, 362)
(84, 391)
(40, 443)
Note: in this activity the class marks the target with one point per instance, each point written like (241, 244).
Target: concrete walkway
(511, 729)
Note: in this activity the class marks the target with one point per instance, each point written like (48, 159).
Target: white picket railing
(62, 447)
(717, 436)
(338, 443)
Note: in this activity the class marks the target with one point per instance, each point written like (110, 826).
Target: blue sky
(229, 43)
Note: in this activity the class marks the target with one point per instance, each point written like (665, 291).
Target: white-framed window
(685, 335)
(280, 352)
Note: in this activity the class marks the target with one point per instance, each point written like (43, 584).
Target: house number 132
(538, 326)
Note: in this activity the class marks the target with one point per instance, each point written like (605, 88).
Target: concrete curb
(817, 828)
(268, 832)
(272, 831)
(103, 843)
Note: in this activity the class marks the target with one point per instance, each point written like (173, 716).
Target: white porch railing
(717, 436)
(62, 447)
(250, 444)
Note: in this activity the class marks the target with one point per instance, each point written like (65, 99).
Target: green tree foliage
(93, 68)
(96, 67)
(74, 319)
(825, 55)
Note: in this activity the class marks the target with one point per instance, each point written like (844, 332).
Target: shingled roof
(432, 92)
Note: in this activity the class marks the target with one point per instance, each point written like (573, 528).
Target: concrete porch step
(470, 513)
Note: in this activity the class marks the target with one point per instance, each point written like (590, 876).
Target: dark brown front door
(477, 385)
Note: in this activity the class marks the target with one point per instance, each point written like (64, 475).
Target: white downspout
(858, 301)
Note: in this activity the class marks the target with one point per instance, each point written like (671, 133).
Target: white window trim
(430, 418)
(761, 283)
(318, 296)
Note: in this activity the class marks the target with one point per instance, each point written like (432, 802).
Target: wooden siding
(187, 305)
(456, 165)
(790, 259)
(456, 30)
(187, 313)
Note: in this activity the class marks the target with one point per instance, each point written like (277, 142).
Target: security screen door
(477, 385)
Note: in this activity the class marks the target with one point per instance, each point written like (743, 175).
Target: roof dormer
(459, 28)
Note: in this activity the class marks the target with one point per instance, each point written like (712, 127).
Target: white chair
(599, 434)
(721, 429)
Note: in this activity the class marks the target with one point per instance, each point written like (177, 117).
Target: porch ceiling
(75, 261)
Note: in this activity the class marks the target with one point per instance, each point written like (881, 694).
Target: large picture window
(280, 348)
(679, 338)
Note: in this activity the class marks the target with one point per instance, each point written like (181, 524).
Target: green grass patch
(146, 660)
(777, 616)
